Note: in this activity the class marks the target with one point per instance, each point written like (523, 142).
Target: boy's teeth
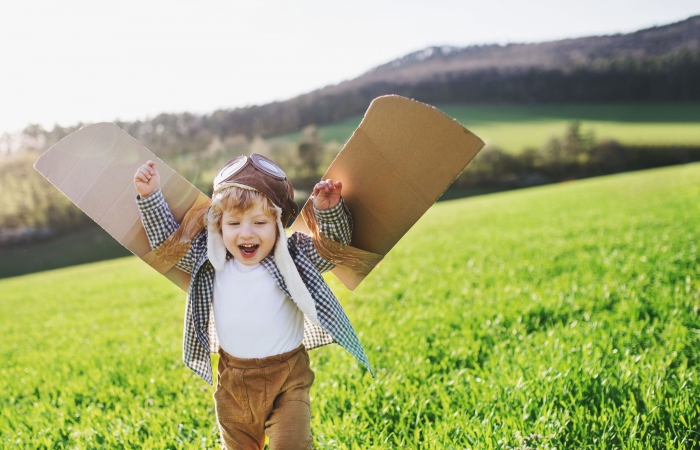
(248, 248)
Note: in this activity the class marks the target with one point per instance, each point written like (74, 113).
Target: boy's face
(249, 236)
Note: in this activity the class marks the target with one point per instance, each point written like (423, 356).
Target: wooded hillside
(658, 64)
(655, 64)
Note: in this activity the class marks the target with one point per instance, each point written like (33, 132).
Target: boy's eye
(233, 223)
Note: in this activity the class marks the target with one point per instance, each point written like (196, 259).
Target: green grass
(564, 316)
(514, 127)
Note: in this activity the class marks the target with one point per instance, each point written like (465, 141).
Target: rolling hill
(659, 64)
(656, 64)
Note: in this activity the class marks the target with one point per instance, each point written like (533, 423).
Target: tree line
(33, 208)
(670, 77)
(572, 156)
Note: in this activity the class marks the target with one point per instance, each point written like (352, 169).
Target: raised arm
(334, 220)
(156, 217)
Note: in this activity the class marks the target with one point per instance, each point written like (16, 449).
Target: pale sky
(68, 61)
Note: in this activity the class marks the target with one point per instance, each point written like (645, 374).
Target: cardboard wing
(94, 167)
(398, 162)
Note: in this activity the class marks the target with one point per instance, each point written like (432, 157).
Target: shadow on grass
(91, 244)
(455, 193)
(85, 245)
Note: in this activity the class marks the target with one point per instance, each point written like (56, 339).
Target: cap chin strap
(216, 250)
(300, 294)
(296, 287)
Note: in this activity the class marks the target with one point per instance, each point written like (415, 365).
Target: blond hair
(234, 198)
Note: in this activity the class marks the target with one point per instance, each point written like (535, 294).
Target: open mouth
(248, 250)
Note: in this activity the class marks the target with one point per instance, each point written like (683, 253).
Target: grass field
(515, 127)
(564, 316)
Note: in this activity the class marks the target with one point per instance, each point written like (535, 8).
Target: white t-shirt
(254, 318)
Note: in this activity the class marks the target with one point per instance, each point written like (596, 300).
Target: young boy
(256, 297)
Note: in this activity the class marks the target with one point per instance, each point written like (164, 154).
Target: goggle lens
(267, 166)
(231, 169)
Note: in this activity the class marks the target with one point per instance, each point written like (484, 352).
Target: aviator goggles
(258, 162)
(261, 174)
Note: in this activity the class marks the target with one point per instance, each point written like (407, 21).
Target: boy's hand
(327, 194)
(147, 179)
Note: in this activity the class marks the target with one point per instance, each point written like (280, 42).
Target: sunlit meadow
(564, 316)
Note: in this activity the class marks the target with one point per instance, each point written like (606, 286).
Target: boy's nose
(246, 231)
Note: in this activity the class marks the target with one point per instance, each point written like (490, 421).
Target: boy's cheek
(229, 244)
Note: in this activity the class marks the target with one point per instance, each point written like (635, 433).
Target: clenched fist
(147, 179)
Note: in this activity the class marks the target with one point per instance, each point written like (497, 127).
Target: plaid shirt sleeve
(336, 224)
(159, 224)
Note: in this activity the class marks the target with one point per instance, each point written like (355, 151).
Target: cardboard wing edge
(430, 109)
(175, 275)
(346, 276)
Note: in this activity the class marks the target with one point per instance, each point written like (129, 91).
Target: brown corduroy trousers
(255, 397)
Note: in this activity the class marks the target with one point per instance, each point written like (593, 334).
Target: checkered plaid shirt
(200, 337)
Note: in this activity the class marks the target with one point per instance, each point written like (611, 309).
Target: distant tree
(310, 150)
(30, 203)
(260, 146)
(577, 145)
(570, 153)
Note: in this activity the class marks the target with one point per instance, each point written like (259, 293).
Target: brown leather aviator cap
(264, 176)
